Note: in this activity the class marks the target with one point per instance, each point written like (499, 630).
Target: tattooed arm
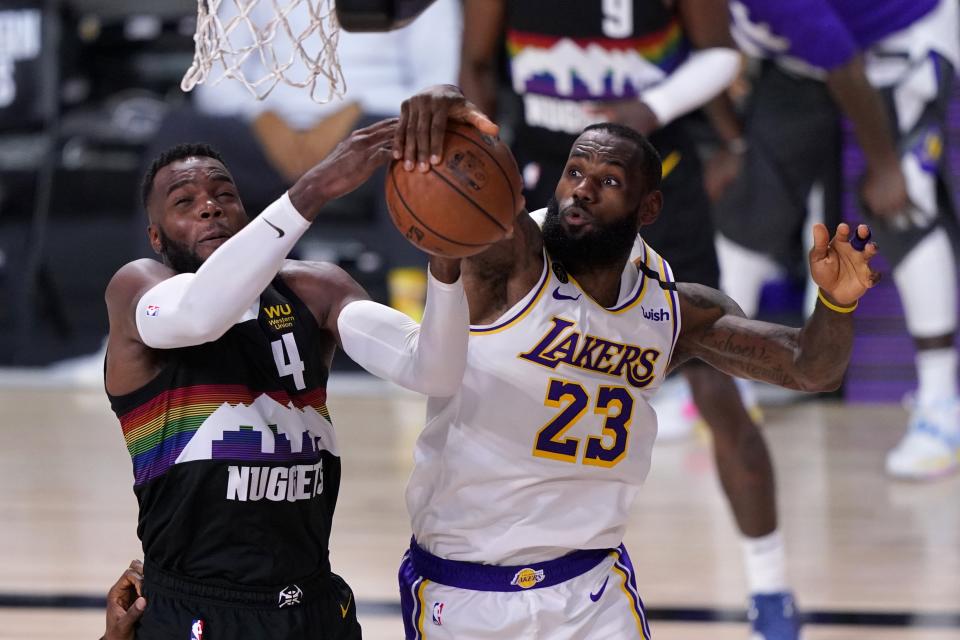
(812, 358)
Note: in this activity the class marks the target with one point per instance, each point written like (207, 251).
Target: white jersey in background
(543, 449)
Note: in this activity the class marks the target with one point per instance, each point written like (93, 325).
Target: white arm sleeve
(428, 358)
(193, 308)
(699, 79)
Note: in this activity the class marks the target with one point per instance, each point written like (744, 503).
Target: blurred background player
(270, 143)
(888, 67)
(646, 65)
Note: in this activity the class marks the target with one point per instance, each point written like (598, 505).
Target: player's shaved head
(171, 155)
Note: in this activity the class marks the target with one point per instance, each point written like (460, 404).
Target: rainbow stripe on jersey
(157, 431)
(614, 60)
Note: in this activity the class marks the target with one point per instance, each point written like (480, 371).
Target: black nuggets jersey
(561, 61)
(235, 461)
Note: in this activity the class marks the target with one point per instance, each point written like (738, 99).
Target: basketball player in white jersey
(524, 479)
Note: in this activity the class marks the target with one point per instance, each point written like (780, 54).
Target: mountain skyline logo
(263, 430)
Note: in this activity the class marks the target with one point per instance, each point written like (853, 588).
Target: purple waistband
(489, 577)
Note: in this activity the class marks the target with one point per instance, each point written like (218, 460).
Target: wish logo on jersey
(564, 344)
(657, 315)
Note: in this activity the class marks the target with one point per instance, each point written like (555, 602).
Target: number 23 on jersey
(613, 403)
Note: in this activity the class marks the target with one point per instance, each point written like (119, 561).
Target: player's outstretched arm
(427, 357)
(811, 358)
(177, 310)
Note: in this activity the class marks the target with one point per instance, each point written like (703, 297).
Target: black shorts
(319, 608)
(683, 234)
(793, 131)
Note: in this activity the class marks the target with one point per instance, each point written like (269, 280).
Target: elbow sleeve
(698, 80)
(428, 358)
(190, 309)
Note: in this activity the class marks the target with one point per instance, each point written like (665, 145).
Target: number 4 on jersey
(289, 364)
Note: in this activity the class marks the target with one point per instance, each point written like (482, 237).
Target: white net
(262, 43)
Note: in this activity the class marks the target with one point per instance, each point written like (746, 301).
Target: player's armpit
(812, 358)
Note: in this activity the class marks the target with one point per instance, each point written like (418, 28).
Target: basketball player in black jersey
(217, 363)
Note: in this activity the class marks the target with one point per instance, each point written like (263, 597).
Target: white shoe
(931, 447)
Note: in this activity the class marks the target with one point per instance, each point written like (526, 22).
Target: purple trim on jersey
(828, 33)
(488, 577)
(624, 563)
(636, 294)
(409, 602)
(675, 305)
(544, 279)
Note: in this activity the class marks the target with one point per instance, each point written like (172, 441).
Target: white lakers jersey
(543, 449)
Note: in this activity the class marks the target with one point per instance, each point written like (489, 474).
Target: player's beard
(603, 246)
(178, 256)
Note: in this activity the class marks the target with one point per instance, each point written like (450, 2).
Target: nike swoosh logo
(596, 596)
(280, 232)
(344, 609)
(559, 296)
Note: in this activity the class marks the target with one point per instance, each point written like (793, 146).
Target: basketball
(462, 205)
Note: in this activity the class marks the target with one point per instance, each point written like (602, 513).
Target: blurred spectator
(268, 144)
(888, 65)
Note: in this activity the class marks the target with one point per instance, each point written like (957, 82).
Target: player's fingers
(384, 128)
(438, 130)
(821, 240)
(382, 155)
(843, 233)
(382, 134)
(860, 238)
(870, 250)
(114, 611)
(424, 130)
(130, 616)
(399, 136)
(476, 118)
(410, 140)
(134, 579)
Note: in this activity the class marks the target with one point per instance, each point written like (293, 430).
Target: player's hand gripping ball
(464, 204)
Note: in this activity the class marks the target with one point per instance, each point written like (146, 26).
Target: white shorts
(587, 594)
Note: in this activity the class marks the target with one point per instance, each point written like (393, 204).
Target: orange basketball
(461, 205)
